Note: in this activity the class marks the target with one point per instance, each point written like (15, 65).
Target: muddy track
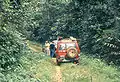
(57, 77)
(34, 48)
(58, 74)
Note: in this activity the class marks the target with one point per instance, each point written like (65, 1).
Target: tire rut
(58, 74)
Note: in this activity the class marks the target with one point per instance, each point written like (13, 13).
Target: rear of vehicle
(67, 51)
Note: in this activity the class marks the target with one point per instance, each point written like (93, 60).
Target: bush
(10, 50)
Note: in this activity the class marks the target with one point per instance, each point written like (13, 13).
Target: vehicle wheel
(76, 62)
(57, 62)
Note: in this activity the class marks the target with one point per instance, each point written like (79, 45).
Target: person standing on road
(47, 48)
(52, 49)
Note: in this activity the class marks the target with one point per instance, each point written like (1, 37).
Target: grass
(39, 66)
(90, 70)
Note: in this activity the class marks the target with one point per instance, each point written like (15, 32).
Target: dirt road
(57, 77)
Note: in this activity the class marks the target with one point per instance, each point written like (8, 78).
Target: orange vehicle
(67, 50)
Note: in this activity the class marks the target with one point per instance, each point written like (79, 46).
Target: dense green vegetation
(96, 23)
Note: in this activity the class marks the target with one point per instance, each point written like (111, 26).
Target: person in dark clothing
(52, 49)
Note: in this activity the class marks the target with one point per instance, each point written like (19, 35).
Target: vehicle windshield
(66, 45)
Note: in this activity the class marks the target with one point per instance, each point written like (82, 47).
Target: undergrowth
(90, 70)
(32, 68)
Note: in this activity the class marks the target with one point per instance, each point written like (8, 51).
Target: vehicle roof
(67, 41)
